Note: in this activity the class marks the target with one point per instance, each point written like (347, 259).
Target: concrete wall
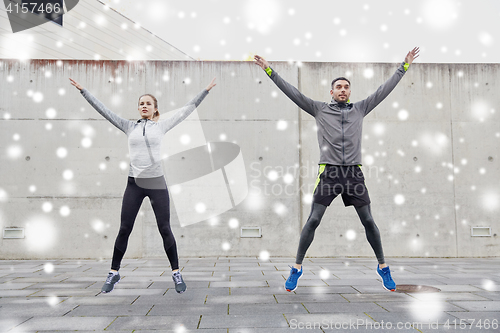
(431, 175)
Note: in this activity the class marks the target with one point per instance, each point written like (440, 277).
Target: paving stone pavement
(244, 295)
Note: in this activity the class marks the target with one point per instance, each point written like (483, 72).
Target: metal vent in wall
(251, 232)
(13, 233)
(480, 231)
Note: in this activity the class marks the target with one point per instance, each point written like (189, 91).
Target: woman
(145, 176)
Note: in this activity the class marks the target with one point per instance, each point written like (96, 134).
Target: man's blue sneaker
(291, 282)
(387, 281)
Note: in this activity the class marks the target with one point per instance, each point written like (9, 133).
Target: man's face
(341, 91)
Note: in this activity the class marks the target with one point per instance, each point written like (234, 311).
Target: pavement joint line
(325, 282)
(28, 286)
(229, 291)
(417, 329)
(150, 309)
(286, 320)
(305, 308)
(345, 298)
(275, 298)
(205, 299)
(370, 317)
(111, 322)
(458, 306)
(150, 285)
(34, 293)
(135, 299)
(209, 283)
(164, 292)
(356, 289)
(23, 322)
(409, 294)
(199, 322)
(71, 310)
(90, 285)
(381, 306)
(228, 309)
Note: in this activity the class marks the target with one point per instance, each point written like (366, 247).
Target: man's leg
(373, 236)
(306, 238)
(372, 232)
(307, 235)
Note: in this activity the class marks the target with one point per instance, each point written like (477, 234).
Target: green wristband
(269, 71)
(406, 66)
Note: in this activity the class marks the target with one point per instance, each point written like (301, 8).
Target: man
(339, 136)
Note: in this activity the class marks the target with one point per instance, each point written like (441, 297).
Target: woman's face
(146, 107)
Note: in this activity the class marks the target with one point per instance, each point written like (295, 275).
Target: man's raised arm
(385, 89)
(305, 103)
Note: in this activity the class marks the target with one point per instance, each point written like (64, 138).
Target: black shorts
(338, 179)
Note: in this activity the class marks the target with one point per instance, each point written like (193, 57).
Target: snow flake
(200, 207)
(350, 234)
(399, 199)
(48, 268)
(264, 255)
(64, 211)
(233, 223)
(403, 114)
(282, 125)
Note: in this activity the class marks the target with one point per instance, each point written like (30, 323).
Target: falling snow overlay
(237, 30)
(429, 158)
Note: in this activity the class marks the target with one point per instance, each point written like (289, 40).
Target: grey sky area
(447, 31)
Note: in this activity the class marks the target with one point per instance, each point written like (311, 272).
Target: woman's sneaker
(291, 282)
(180, 286)
(111, 280)
(387, 281)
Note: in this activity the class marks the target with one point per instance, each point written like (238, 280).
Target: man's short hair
(340, 78)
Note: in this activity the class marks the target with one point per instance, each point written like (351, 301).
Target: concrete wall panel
(418, 158)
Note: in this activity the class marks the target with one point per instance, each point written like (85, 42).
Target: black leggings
(132, 200)
(365, 215)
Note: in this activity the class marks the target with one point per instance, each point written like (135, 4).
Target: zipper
(343, 148)
(144, 128)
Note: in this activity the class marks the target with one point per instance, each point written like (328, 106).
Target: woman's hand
(76, 84)
(211, 85)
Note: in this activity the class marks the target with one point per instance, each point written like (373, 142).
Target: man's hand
(261, 62)
(211, 84)
(76, 84)
(412, 55)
